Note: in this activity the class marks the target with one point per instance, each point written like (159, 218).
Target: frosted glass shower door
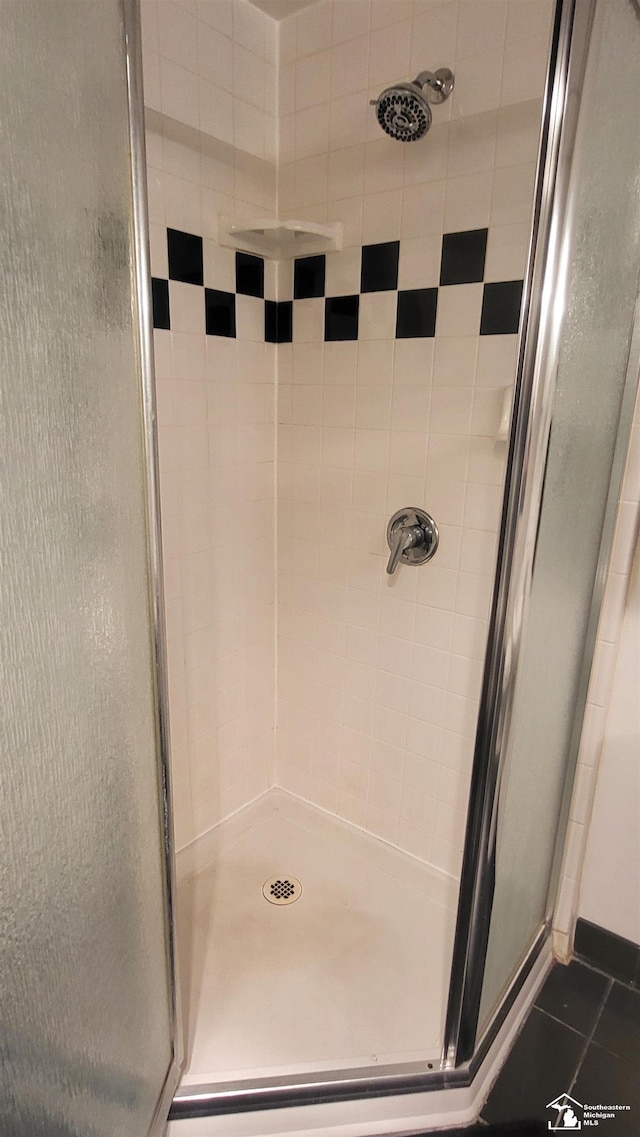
(596, 364)
(86, 1005)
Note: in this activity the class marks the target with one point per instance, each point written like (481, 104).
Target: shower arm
(440, 84)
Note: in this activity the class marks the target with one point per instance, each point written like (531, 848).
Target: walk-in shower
(374, 708)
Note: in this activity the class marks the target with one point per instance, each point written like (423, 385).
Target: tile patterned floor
(582, 1038)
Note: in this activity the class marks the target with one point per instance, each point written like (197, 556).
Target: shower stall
(313, 444)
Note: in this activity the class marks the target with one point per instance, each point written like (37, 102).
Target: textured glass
(603, 284)
(84, 1004)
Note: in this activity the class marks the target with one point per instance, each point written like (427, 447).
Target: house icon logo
(569, 1115)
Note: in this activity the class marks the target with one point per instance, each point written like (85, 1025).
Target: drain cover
(282, 889)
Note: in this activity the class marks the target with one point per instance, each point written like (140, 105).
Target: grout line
(589, 1038)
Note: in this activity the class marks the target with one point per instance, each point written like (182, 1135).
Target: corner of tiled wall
(384, 402)
(210, 90)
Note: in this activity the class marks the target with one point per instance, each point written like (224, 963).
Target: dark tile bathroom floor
(582, 1038)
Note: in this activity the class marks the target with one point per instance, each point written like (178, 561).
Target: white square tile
(419, 265)
(481, 26)
(177, 35)
(311, 179)
(313, 77)
(428, 163)
(468, 202)
(250, 318)
(343, 273)
(216, 111)
(422, 209)
(410, 409)
(383, 168)
(375, 362)
(389, 49)
(413, 362)
(408, 453)
(377, 318)
(311, 131)
(308, 320)
(507, 248)
(340, 361)
(349, 64)
(433, 37)
(524, 69)
(249, 26)
(459, 307)
(179, 93)
(477, 86)
(351, 18)
(346, 172)
(347, 121)
(248, 76)
(215, 56)
(472, 144)
(313, 28)
(373, 408)
(518, 135)
(512, 196)
(287, 40)
(382, 217)
(454, 362)
(385, 12)
(186, 302)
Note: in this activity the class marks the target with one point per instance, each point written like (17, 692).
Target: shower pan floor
(354, 972)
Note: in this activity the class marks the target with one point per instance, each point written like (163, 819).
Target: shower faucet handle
(412, 536)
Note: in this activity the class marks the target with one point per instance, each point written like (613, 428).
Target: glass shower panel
(603, 264)
(86, 1022)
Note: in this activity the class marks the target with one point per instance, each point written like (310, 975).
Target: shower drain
(282, 890)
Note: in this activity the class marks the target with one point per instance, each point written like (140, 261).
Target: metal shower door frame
(544, 304)
(143, 326)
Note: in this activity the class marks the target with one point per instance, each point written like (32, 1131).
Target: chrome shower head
(403, 111)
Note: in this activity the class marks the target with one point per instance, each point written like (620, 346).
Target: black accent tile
(574, 994)
(249, 275)
(463, 257)
(416, 316)
(185, 257)
(271, 321)
(278, 321)
(618, 1029)
(541, 1065)
(607, 951)
(220, 313)
(604, 1078)
(160, 303)
(341, 317)
(309, 277)
(501, 308)
(379, 272)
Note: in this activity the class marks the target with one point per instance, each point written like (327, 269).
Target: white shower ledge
(279, 240)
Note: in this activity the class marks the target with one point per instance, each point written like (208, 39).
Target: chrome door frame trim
(621, 448)
(539, 337)
(346, 1085)
(143, 324)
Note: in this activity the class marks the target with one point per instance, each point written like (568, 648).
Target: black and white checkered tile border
(462, 262)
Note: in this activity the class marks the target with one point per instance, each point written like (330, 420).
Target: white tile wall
(211, 65)
(216, 404)
(379, 677)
